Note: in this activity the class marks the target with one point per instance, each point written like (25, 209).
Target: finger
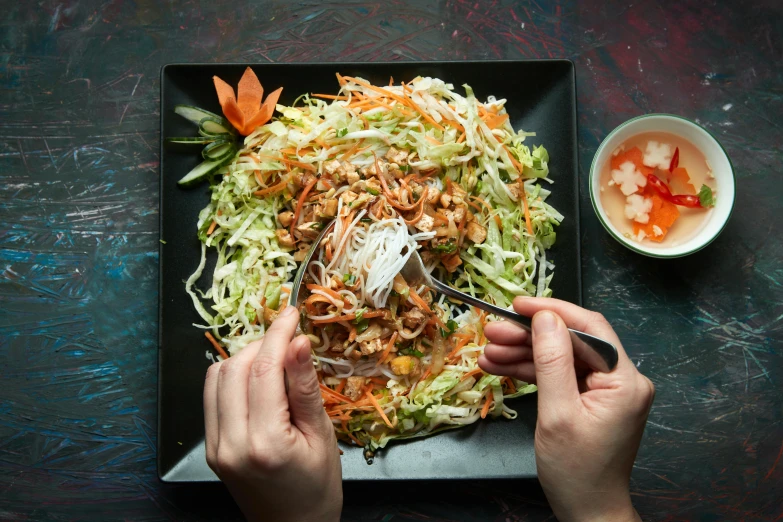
(210, 413)
(266, 388)
(553, 357)
(304, 395)
(524, 371)
(575, 317)
(506, 332)
(232, 408)
(504, 354)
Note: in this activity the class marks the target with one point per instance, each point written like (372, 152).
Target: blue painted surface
(79, 138)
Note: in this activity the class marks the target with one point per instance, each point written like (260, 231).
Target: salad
(400, 168)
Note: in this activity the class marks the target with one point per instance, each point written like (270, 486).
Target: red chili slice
(675, 160)
(663, 189)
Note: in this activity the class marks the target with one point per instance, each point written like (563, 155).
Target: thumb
(553, 358)
(304, 395)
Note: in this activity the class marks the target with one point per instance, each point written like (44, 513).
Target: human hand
(590, 424)
(275, 450)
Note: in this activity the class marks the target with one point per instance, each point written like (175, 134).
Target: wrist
(616, 511)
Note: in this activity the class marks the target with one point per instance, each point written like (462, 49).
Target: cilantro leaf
(705, 197)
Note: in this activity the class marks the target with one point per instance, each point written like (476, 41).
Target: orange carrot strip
(330, 392)
(377, 406)
(461, 138)
(403, 100)
(485, 408)
(325, 290)
(211, 227)
(300, 203)
(271, 190)
(388, 348)
(433, 140)
(350, 152)
(471, 373)
(350, 317)
(489, 209)
(341, 386)
(419, 301)
(510, 384)
(329, 96)
(219, 349)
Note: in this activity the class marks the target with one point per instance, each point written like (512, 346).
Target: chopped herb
(405, 168)
(342, 132)
(359, 315)
(479, 186)
(365, 220)
(349, 279)
(372, 191)
(445, 248)
(504, 176)
(317, 226)
(411, 351)
(362, 325)
(452, 326)
(705, 197)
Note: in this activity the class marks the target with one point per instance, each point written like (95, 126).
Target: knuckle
(262, 366)
(264, 458)
(553, 425)
(548, 358)
(597, 319)
(226, 462)
(213, 370)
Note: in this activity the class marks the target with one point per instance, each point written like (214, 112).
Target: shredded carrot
(471, 373)
(514, 161)
(413, 105)
(420, 213)
(219, 349)
(388, 348)
(211, 227)
(459, 346)
(350, 152)
(377, 406)
(271, 190)
(321, 143)
(419, 301)
(489, 210)
(510, 384)
(350, 317)
(433, 140)
(333, 393)
(300, 203)
(485, 408)
(329, 96)
(328, 249)
(391, 81)
(341, 386)
(326, 290)
(461, 138)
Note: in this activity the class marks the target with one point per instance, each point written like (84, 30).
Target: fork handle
(598, 354)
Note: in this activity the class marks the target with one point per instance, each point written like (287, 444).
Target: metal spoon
(598, 354)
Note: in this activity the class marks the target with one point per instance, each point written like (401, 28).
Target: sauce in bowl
(670, 207)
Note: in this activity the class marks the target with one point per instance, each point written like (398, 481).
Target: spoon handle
(597, 353)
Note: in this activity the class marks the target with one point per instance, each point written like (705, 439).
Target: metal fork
(597, 353)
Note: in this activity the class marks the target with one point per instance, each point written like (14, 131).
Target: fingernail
(303, 356)
(544, 322)
(288, 310)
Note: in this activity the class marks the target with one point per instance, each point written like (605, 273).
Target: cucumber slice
(218, 150)
(194, 114)
(203, 170)
(213, 127)
(198, 140)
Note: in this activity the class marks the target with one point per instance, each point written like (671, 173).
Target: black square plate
(541, 97)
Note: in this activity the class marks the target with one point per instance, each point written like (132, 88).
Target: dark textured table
(79, 84)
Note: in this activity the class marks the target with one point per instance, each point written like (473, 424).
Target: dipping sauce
(668, 208)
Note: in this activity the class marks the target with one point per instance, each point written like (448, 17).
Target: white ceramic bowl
(713, 152)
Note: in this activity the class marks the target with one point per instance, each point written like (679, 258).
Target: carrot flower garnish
(245, 110)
